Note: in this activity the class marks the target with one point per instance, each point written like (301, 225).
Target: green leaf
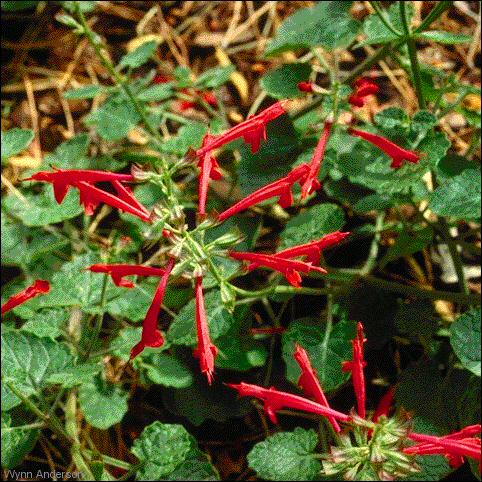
(327, 24)
(237, 349)
(195, 467)
(103, 404)
(47, 323)
(71, 154)
(282, 83)
(73, 285)
(280, 149)
(167, 370)
(16, 441)
(407, 243)
(123, 343)
(444, 37)
(78, 375)
(42, 209)
(190, 135)
(465, 340)
(15, 6)
(183, 76)
(28, 361)
(85, 7)
(459, 196)
(161, 448)
(423, 121)
(373, 202)
(15, 140)
(139, 56)
(286, 456)
(393, 118)
(183, 329)
(366, 165)
(214, 78)
(85, 92)
(114, 119)
(132, 304)
(377, 32)
(156, 92)
(312, 224)
(328, 364)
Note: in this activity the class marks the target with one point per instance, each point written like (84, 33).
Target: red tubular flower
(312, 183)
(282, 188)
(275, 400)
(356, 367)
(205, 351)
(186, 104)
(397, 153)
(62, 179)
(288, 267)
(364, 88)
(91, 196)
(151, 336)
(40, 287)
(310, 384)
(311, 250)
(356, 101)
(125, 193)
(253, 130)
(119, 271)
(455, 446)
(161, 79)
(210, 98)
(385, 404)
(209, 170)
(305, 86)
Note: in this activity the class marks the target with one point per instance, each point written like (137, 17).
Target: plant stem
(373, 253)
(280, 289)
(71, 428)
(434, 14)
(51, 420)
(412, 52)
(328, 330)
(110, 460)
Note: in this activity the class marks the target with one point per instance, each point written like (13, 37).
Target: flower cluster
(381, 449)
(253, 131)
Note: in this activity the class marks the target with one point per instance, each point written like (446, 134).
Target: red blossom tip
(305, 86)
(39, 287)
(397, 153)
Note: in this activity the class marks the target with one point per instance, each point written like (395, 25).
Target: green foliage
(312, 224)
(282, 83)
(103, 404)
(214, 78)
(114, 119)
(166, 370)
(156, 93)
(15, 140)
(139, 56)
(27, 362)
(17, 442)
(18, 5)
(190, 135)
(281, 147)
(444, 37)
(182, 330)
(326, 359)
(378, 33)
(86, 92)
(286, 456)
(169, 452)
(459, 196)
(465, 340)
(327, 24)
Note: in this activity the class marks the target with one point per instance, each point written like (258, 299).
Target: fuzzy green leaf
(465, 340)
(282, 83)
